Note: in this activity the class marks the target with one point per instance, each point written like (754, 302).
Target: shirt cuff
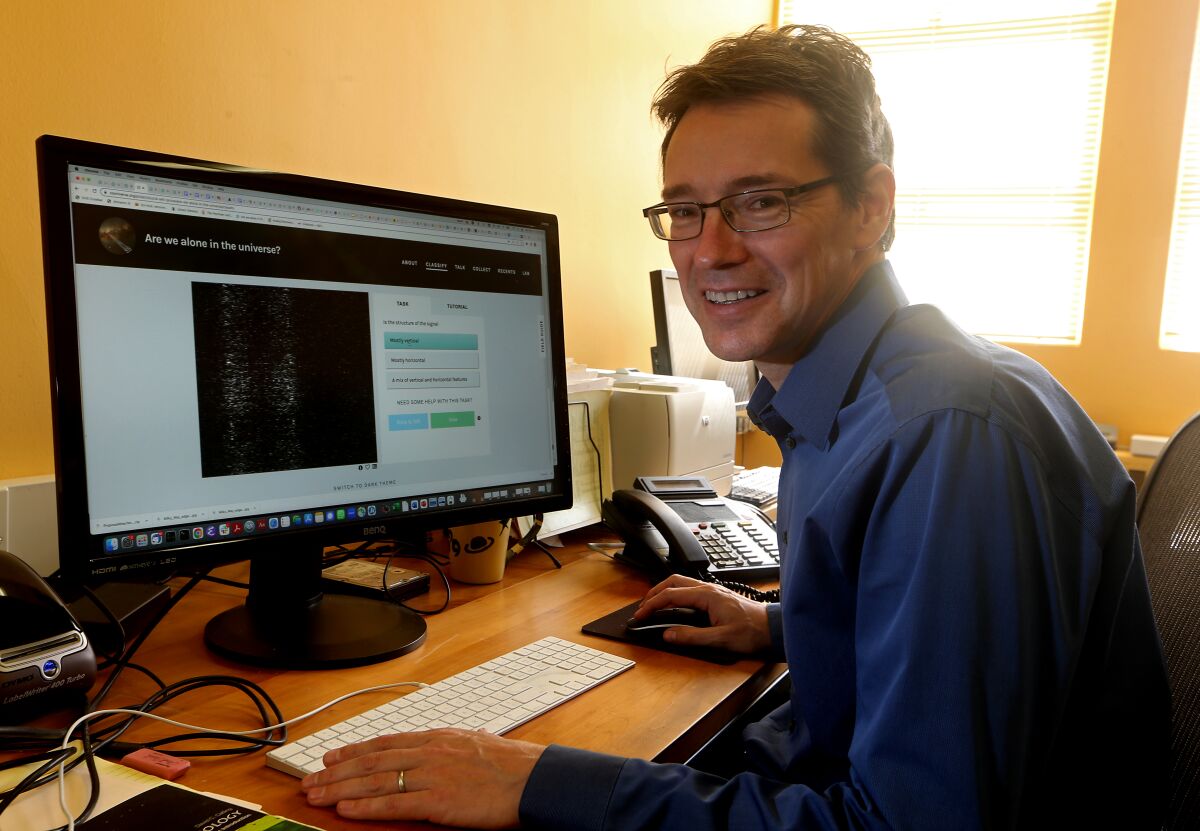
(586, 776)
(775, 627)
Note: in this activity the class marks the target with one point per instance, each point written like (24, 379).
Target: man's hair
(812, 63)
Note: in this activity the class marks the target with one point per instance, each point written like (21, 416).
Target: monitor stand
(289, 622)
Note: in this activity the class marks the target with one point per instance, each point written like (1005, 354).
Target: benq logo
(374, 529)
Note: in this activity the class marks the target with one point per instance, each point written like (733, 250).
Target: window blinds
(1180, 326)
(997, 110)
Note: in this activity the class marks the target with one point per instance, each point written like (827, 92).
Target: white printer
(662, 425)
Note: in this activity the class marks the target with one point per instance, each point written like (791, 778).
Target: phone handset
(629, 511)
(684, 552)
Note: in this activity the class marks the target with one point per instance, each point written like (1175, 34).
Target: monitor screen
(251, 365)
(681, 349)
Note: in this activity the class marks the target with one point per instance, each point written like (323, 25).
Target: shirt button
(789, 442)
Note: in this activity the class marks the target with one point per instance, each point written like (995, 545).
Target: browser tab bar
(157, 193)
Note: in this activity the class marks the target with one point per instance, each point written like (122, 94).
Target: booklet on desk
(132, 801)
(187, 809)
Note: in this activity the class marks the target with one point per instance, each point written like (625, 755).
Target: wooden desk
(665, 708)
(1138, 466)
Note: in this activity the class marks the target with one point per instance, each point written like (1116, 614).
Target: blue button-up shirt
(964, 610)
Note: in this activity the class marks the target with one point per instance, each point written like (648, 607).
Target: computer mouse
(670, 616)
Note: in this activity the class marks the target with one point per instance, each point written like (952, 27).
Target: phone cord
(771, 596)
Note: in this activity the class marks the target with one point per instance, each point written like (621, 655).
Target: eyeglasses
(752, 210)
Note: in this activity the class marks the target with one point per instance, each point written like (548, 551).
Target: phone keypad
(743, 548)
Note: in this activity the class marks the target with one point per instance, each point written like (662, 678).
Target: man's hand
(738, 623)
(452, 777)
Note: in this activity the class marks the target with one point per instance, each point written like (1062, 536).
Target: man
(964, 610)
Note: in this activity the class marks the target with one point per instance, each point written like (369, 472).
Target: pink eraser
(156, 764)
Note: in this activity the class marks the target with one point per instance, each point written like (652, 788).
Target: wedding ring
(400, 782)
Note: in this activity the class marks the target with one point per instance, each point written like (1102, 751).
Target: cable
(44, 773)
(257, 695)
(769, 596)
(548, 553)
(158, 682)
(762, 515)
(530, 537)
(61, 758)
(441, 574)
(110, 733)
(393, 549)
(272, 734)
(89, 759)
(31, 738)
(270, 728)
(113, 621)
(56, 755)
(587, 412)
(141, 638)
(54, 760)
(135, 714)
(224, 581)
(122, 637)
(28, 738)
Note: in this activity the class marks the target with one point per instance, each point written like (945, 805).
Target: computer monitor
(681, 349)
(251, 365)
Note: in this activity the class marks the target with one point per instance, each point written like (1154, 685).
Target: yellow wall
(1118, 373)
(535, 103)
(541, 104)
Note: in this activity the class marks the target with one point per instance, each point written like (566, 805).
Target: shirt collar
(811, 396)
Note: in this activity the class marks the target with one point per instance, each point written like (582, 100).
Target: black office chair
(1168, 517)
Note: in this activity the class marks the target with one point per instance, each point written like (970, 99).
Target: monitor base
(336, 631)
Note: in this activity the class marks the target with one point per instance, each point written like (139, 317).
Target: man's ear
(876, 205)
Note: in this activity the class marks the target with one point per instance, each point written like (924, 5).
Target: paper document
(130, 800)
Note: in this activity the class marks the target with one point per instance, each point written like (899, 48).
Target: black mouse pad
(613, 626)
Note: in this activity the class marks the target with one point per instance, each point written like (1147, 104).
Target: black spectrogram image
(283, 378)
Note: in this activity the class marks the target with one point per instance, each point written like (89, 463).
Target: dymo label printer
(43, 650)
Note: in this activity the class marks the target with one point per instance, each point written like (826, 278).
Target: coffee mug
(478, 552)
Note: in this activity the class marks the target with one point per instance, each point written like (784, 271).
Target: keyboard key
(496, 696)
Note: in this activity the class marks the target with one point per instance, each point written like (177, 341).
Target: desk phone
(678, 524)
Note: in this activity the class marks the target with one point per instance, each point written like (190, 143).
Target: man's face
(760, 296)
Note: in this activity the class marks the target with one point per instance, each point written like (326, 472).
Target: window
(997, 110)
(1180, 326)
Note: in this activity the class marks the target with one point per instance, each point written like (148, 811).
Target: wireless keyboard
(495, 696)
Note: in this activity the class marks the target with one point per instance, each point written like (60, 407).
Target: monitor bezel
(81, 553)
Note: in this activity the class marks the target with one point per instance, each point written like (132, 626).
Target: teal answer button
(429, 340)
